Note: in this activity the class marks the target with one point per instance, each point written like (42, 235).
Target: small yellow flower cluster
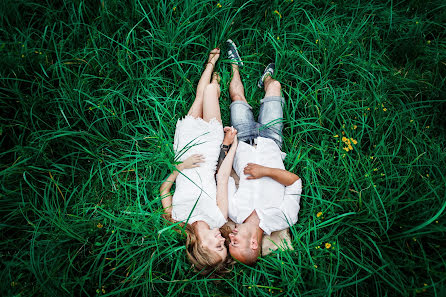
(219, 5)
(278, 13)
(327, 246)
(99, 225)
(319, 214)
(421, 290)
(348, 142)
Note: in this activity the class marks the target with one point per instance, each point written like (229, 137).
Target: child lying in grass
(200, 199)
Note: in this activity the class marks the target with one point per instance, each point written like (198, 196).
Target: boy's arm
(287, 214)
(284, 177)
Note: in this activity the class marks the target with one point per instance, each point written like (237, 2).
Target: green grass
(90, 95)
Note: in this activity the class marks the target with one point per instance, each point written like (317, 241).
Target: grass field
(90, 95)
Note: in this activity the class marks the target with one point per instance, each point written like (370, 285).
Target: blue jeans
(270, 122)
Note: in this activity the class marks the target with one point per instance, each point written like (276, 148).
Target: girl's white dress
(195, 193)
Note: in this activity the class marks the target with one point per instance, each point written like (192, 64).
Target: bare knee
(212, 88)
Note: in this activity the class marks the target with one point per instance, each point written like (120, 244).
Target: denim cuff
(273, 98)
(240, 102)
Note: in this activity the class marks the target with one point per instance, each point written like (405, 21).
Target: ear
(254, 244)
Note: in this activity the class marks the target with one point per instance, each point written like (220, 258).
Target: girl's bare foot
(213, 56)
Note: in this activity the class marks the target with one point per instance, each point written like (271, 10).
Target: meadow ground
(90, 94)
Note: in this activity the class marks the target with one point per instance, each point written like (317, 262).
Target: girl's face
(213, 241)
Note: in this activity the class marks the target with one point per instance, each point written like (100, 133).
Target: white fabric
(197, 186)
(276, 205)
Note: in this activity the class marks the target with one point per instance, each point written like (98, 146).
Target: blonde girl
(200, 198)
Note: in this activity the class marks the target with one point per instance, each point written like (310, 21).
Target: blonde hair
(202, 259)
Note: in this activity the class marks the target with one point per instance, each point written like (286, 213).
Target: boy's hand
(255, 170)
(191, 162)
(230, 134)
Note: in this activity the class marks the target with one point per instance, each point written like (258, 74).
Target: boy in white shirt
(268, 196)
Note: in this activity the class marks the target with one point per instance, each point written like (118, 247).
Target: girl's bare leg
(236, 90)
(196, 109)
(211, 105)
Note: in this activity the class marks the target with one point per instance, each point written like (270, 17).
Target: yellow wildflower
(336, 135)
(371, 157)
(99, 225)
(278, 38)
(354, 141)
(315, 266)
(355, 127)
(350, 147)
(327, 245)
(375, 169)
(219, 5)
(317, 40)
(343, 133)
(344, 139)
(385, 109)
(278, 13)
(174, 8)
(346, 149)
(319, 214)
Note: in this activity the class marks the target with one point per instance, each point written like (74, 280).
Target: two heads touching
(231, 186)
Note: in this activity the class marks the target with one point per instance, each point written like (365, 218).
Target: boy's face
(240, 242)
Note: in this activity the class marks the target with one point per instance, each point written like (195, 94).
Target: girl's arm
(166, 196)
(223, 176)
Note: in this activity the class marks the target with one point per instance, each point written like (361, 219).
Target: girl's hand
(230, 135)
(191, 162)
